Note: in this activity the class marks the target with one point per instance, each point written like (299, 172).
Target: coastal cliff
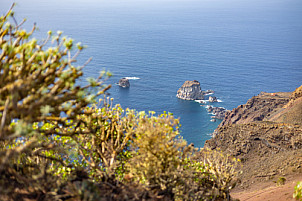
(190, 90)
(258, 108)
(266, 135)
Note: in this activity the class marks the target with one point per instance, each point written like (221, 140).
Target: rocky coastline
(266, 135)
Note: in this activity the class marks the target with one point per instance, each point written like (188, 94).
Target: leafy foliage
(58, 143)
(281, 181)
(298, 191)
(165, 164)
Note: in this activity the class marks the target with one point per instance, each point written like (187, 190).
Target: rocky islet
(191, 90)
(124, 82)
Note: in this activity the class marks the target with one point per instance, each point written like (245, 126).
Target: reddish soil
(268, 191)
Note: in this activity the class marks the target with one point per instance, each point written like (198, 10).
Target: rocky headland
(266, 135)
(190, 90)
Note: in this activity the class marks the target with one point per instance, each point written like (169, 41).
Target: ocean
(237, 48)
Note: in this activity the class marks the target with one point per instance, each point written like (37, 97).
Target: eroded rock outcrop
(124, 82)
(190, 90)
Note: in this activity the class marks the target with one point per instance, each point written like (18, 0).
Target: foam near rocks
(133, 78)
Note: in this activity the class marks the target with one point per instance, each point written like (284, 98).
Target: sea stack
(190, 90)
(124, 82)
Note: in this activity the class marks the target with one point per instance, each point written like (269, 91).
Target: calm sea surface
(237, 48)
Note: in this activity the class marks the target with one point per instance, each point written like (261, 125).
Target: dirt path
(271, 193)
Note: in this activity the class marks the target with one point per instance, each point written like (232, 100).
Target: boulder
(190, 90)
(208, 92)
(218, 112)
(124, 82)
(212, 99)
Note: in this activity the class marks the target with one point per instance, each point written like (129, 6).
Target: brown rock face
(258, 108)
(190, 90)
(297, 93)
(292, 111)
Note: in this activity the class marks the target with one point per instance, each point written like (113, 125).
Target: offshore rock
(208, 92)
(218, 112)
(124, 82)
(212, 99)
(190, 90)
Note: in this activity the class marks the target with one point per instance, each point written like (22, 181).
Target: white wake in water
(133, 78)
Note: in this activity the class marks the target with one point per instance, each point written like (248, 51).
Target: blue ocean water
(237, 48)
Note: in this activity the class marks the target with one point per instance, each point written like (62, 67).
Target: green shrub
(298, 191)
(166, 165)
(281, 181)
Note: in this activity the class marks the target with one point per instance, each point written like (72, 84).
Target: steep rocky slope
(266, 135)
(292, 111)
(258, 108)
